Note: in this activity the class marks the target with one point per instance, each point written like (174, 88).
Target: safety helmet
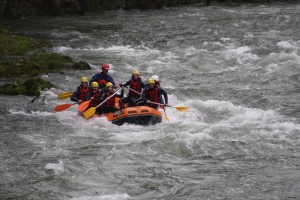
(109, 84)
(84, 80)
(151, 81)
(105, 66)
(94, 84)
(156, 78)
(136, 72)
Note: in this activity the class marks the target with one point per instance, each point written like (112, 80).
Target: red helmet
(105, 66)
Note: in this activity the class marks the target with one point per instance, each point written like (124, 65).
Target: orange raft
(140, 115)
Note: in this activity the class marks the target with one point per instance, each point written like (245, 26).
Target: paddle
(166, 117)
(91, 111)
(64, 95)
(134, 91)
(179, 108)
(62, 107)
(83, 106)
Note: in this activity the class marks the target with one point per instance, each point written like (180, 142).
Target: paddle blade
(166, 117)
(65, 95)
(90, 112)
(83, 106)
(182, 108)
(62, 107)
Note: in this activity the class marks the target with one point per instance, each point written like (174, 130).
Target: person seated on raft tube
(95, 95)
(109, 105)
(152, 94)
(136, 84)
(102, 77)
(79, 95)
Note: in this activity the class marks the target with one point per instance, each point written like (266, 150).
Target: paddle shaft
(108, 98)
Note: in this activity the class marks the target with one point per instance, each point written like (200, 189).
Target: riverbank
(15, 9)
(24, 59)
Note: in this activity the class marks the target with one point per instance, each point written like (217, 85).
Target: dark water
(236, 68)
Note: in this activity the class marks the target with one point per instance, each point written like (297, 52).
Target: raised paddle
(62, 107)
(91, 111)
(64, 95)
(83, 106)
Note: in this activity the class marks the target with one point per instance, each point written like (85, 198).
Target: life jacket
(152, 95)
(82, 93)
(102, 82)
(109, 103)
(96, 101)
(135, 85)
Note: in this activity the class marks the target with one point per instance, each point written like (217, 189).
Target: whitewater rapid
(235, 68)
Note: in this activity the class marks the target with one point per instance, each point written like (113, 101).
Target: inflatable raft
(140, 115)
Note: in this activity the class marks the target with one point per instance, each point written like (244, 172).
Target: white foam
(58, 168)
(31, 113)
(241, 54)
(286, 45)
(117, 196)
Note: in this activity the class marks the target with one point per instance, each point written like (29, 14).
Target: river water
(236, 68)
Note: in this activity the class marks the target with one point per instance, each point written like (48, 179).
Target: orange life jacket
(97, 95)
(109, 103)
(135, 85)
(152, 95)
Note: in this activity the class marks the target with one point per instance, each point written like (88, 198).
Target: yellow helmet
(151, 81)
(94, 84)
(84, 80)
(109, 84)
(136, 72)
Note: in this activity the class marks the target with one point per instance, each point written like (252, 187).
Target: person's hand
(107, 98)
(120, 84)
(79, 101)
(92, 98)
(123, 88)
(148, 101)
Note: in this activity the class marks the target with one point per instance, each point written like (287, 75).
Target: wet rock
(31, 87)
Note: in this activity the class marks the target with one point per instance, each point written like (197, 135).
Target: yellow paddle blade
(167, 118)
(84, 106)
(182, 108)
(64, 95)
(90, 112)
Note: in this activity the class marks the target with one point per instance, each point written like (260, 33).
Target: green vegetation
(31, 87)
(34, 62)
(41, 64)
(18, 45)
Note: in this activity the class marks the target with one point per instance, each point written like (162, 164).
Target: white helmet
(156, 78)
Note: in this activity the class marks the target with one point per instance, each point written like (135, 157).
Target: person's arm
(75, 95)
(142, 83)
(144, 95)
(126, 84)
(88, 95)
(103, 97)
(162, 92)
(120, 95)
